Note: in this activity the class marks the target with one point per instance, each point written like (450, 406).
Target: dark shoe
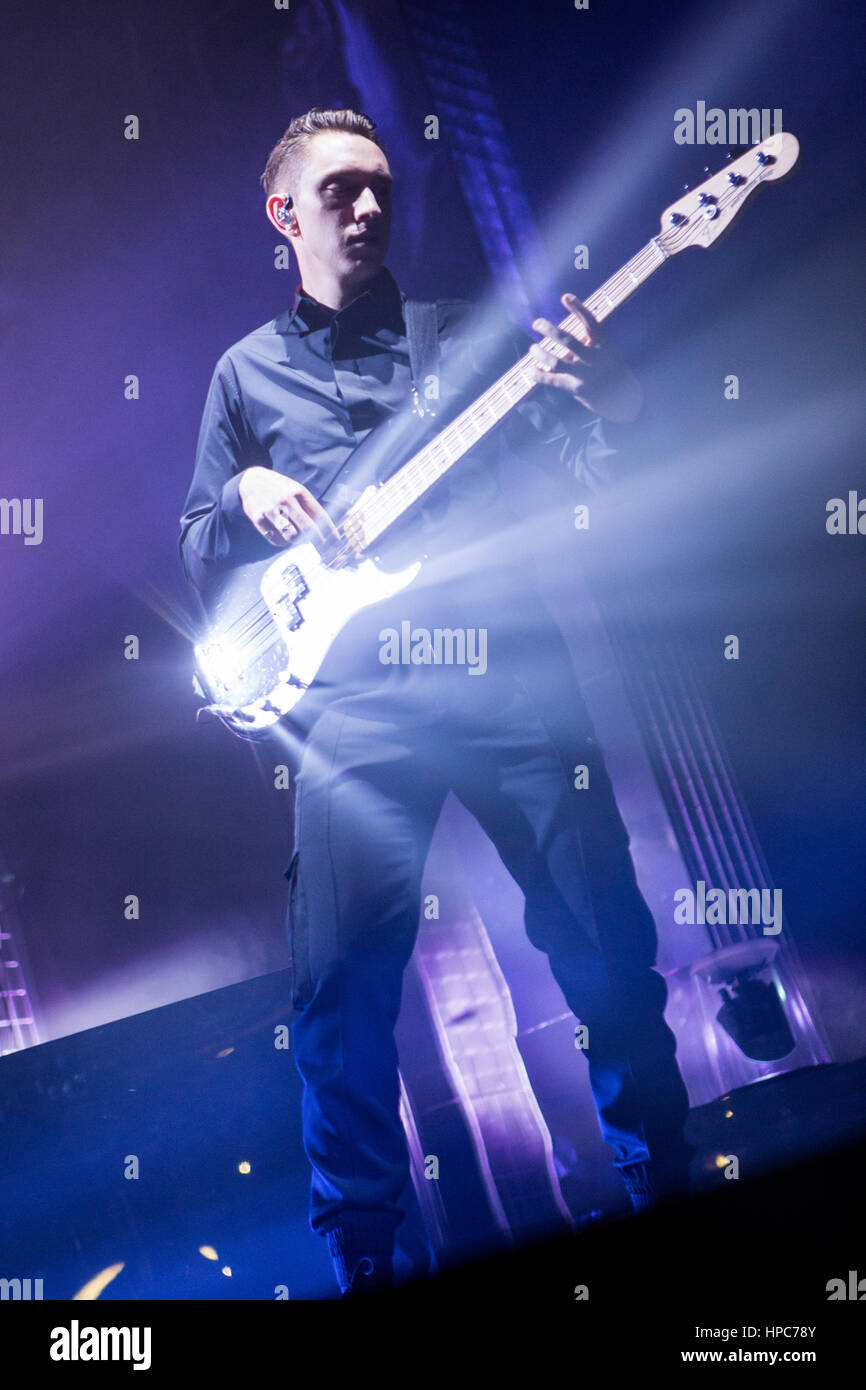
(648, 1185)
(362, 1248)
(588, 1220)
(370, 1278)
(645, 1199)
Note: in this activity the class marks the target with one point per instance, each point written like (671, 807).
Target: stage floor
(189, 1094)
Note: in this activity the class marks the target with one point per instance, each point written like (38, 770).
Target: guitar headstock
(702, 214)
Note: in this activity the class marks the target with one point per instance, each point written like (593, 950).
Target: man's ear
(279, 215)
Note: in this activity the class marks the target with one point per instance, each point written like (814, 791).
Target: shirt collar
(379, 305)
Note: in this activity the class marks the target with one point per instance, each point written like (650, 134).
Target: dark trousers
(371, 782)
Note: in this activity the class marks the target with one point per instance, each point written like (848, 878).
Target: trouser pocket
(297, 932)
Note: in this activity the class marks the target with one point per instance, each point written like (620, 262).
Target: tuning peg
(729, 155)
(685, 188)
(706, 168)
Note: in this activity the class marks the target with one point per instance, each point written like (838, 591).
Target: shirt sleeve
(215, 531)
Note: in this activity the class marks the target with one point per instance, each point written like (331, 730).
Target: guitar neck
(371, 516)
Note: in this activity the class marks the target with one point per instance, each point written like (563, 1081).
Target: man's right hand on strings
(281, 508)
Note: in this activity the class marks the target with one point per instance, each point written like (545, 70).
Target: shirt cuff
(245, 541)
(236, 521)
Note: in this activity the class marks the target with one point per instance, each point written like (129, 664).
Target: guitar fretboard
(369, 518)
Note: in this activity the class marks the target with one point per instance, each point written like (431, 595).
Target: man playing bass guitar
(382, 743)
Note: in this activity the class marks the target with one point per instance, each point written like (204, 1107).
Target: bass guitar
(273, 620)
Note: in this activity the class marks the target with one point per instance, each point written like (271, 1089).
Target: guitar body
(273, 625)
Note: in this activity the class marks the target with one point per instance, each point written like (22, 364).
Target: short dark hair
(285, 158)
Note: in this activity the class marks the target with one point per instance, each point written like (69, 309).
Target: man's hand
(592, 372)
(281, 508)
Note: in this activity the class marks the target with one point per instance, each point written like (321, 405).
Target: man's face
(342, 204)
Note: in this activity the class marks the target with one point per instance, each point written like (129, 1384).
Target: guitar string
(426, 469)
(260, 615)
(420, 473)
(380, 510)
(436, 458)
(500, 393)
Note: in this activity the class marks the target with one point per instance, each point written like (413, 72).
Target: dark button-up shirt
(302, 392)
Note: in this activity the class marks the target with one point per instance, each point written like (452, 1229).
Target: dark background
(153, 256)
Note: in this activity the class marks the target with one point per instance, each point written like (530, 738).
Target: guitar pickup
(285, 592)
(294, 584)
(291, 613)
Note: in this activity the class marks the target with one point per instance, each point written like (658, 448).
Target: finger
(544, 357)
(319, 517)
(566, 381)
(558, 335)
(287, 518)
(585, 369)
(270, 532)
(545, 364)
(590, 324)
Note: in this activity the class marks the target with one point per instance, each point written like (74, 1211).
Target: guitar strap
(422, 334)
